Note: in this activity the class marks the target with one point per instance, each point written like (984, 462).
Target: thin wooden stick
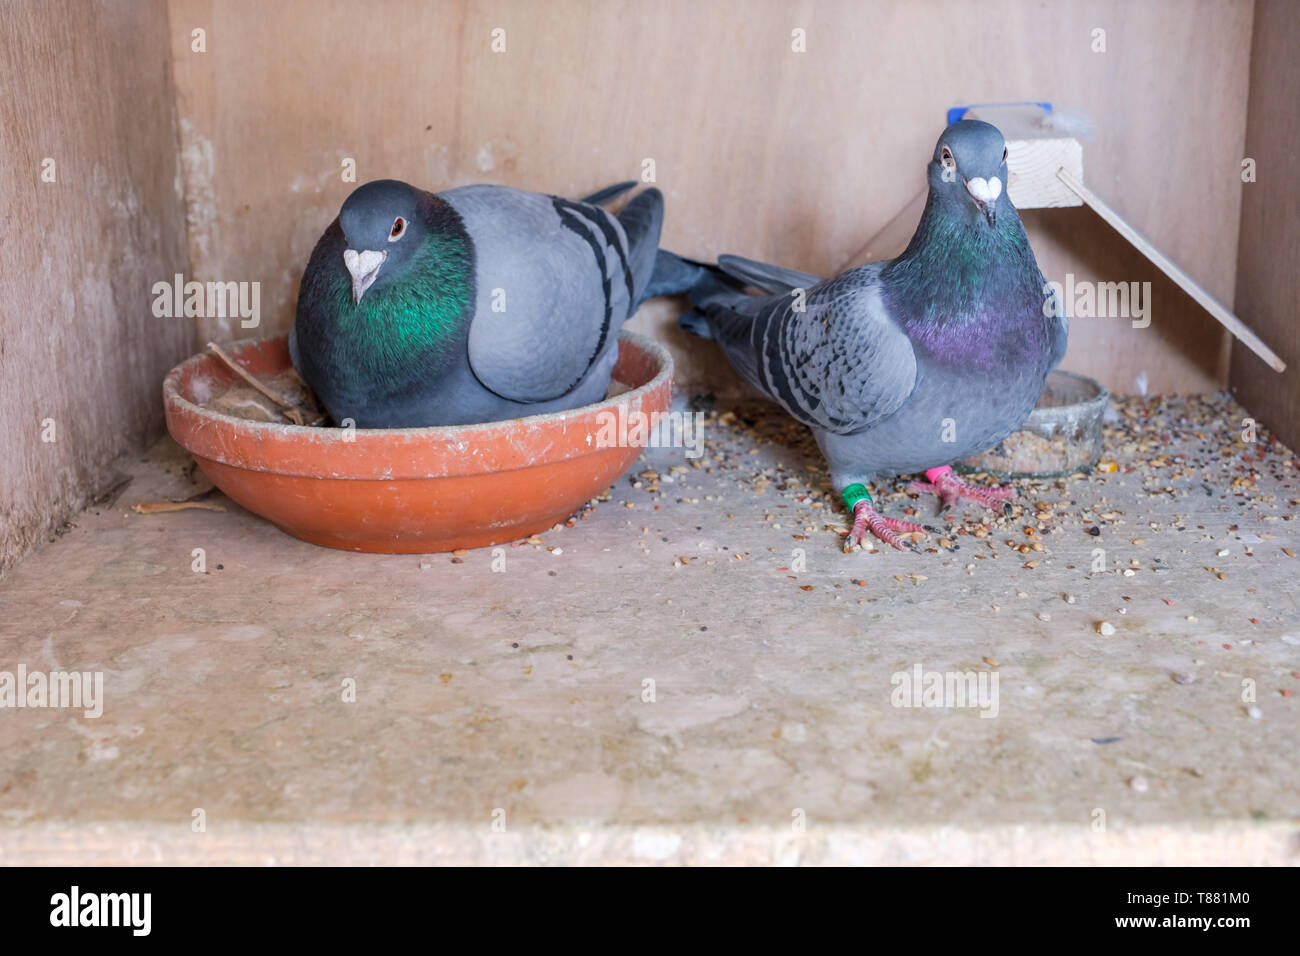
(159, 507)
(894, 236)
(1167, 266)
(290, 410)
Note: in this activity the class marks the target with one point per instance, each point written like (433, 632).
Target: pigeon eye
(945, 157)
(1004, 154)
(399, 227)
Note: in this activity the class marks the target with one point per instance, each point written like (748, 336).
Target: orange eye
(945, 157)
(399, 227)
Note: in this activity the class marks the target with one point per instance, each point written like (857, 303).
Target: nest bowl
(1062, 435)
(410, 490)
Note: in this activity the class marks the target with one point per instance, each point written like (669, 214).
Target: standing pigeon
(477, 304)
(904, 365)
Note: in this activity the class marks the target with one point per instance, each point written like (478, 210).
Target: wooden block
(1038, 145)
(1032, 164)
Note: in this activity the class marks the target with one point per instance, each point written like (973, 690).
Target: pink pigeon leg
(949, 488)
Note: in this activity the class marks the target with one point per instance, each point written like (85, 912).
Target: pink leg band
(934, 473)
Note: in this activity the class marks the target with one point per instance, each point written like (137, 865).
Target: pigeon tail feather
(609, 193)
(696, 323)
(642, 219)
(703, 282)
(767, 277)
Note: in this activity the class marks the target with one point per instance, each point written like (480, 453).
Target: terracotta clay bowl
(410, 490)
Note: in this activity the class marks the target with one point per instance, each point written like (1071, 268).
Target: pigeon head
(383, 227)
(969, 170)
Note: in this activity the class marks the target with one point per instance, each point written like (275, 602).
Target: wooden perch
(1167, 266)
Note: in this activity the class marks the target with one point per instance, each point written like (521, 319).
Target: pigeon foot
(949, 488)
(894, 532)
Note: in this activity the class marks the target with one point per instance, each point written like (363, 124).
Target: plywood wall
(793, 157)
(1268, 262)
(88, 87)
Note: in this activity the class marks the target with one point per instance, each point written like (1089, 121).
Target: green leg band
(855, 493)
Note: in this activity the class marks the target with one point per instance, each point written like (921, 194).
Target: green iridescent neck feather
(423, 312)
(973, 260)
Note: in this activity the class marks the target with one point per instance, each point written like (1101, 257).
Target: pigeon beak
(985, 192)
(363, 267)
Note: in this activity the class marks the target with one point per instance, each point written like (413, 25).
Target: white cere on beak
(985, 191)
(363, 267)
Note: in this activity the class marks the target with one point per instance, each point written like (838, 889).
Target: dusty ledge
(247, 844)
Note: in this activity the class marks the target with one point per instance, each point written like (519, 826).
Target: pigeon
(477, 304)
(904, 365)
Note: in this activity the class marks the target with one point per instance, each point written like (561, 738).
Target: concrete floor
(504, 716)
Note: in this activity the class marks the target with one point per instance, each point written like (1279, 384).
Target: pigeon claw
(894, 532)
(951, 489)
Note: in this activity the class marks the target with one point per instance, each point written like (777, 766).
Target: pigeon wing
(835, 360)
(553, 287)
(1058, 328)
